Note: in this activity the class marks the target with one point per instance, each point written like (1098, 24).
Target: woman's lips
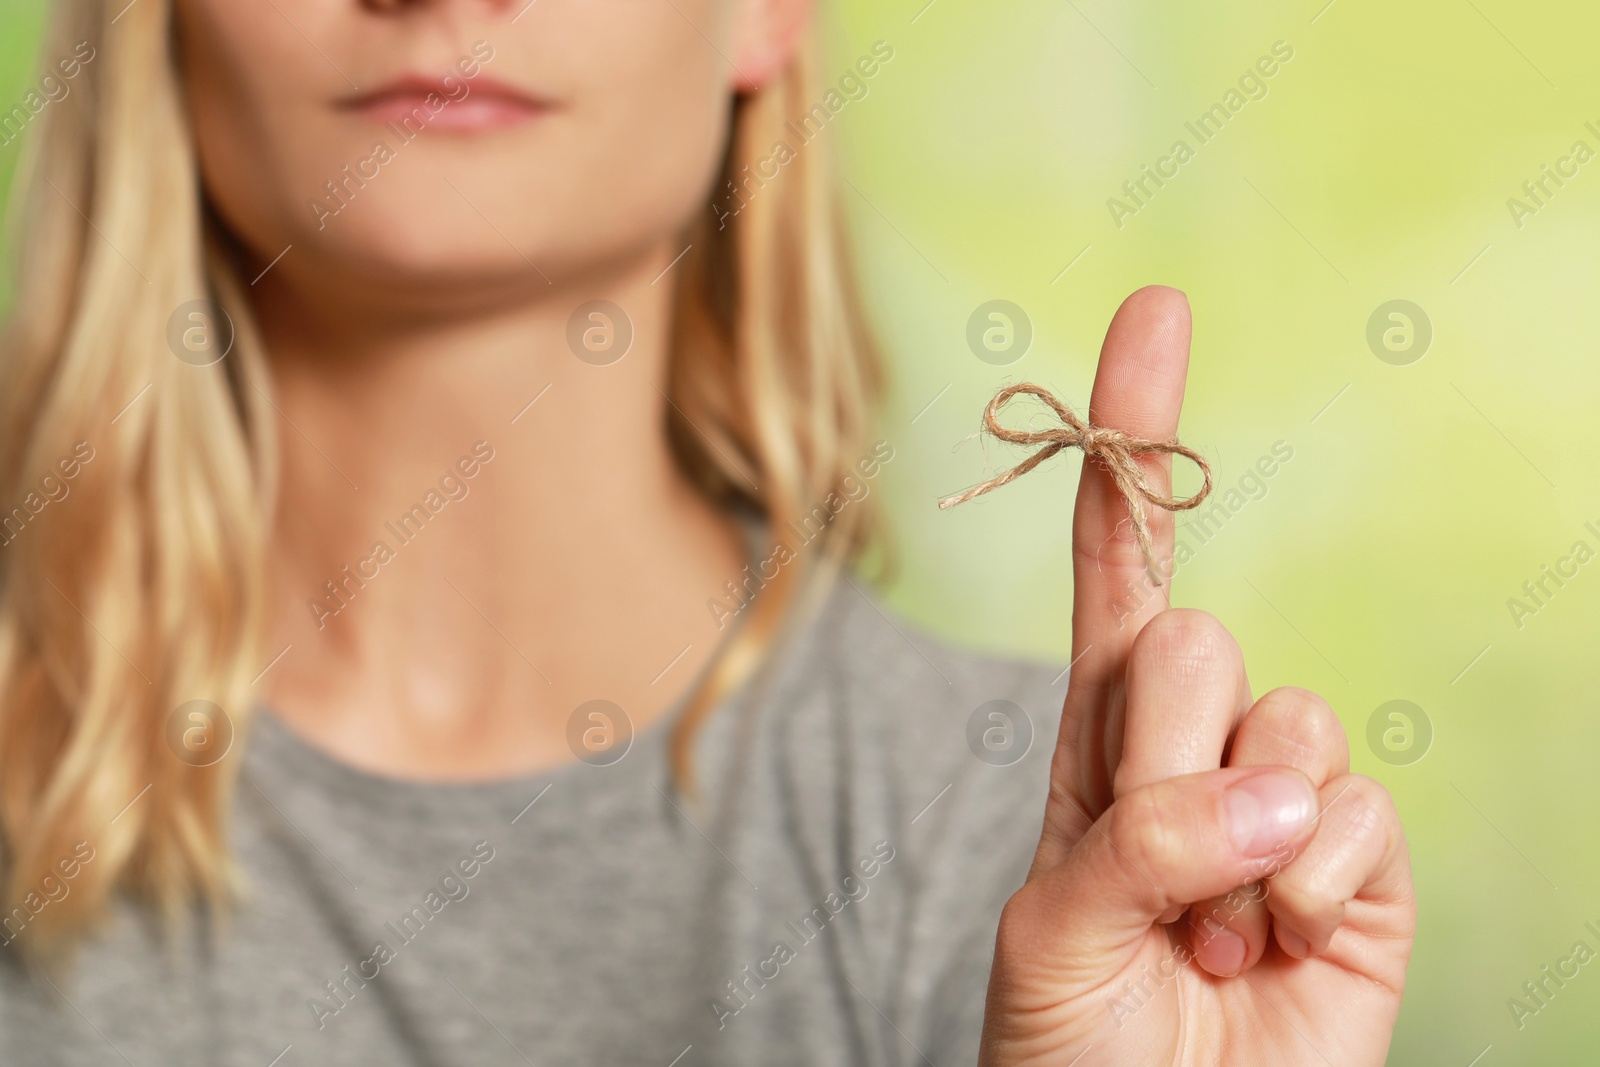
(458, 104)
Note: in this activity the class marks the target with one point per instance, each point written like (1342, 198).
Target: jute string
(1118, 452)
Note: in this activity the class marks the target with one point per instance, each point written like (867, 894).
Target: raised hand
(1212, 886)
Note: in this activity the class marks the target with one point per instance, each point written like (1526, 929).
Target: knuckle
(1306, 891)
(1306, 710)
(1373, 815)
(1149, 832)
(1188, 635)
(1317, 918)
(1314, 904)
(1304, 723)
(1371, 812)
(1120, 557)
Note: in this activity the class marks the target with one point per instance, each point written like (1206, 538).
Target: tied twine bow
(1118, 452)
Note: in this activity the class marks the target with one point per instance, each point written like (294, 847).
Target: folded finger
(1357, 852)
(1170, 843)
(1287, 727)
(1291, 727)
(1186, 690)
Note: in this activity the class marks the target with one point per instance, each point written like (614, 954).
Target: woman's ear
(766, 34)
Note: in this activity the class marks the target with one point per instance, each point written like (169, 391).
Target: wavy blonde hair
(144, 587)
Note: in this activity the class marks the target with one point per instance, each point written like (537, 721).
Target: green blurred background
(1379, 562)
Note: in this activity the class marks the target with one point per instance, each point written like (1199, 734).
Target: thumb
(1170, 843)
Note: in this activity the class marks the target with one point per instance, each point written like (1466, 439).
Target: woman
(437, 429)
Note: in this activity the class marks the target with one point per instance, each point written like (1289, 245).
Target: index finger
(1138, 389)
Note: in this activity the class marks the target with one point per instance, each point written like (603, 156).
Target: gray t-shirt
(829, 897)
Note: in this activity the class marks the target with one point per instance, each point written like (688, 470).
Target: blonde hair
(144, 588)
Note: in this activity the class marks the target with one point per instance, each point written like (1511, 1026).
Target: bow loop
(1118, 452)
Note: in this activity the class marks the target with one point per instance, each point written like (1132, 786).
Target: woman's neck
(478, 531)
